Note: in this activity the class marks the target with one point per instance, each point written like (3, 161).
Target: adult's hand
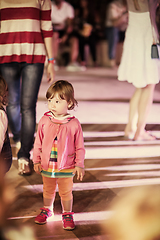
(50, 72)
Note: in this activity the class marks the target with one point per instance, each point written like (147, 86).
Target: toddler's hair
(3, 91)
(65, 91)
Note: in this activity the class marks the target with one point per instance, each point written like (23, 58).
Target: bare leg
(74, 49)
(133, 111)
(144, 105)
(67, 205)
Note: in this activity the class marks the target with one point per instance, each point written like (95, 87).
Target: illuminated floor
(112, 163)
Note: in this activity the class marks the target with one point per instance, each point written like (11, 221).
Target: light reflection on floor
(127, 167)
(103, 185)
(139, 173)
(78, 217)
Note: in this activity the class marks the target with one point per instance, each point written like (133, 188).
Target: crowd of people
(58, 148)
(81, 25)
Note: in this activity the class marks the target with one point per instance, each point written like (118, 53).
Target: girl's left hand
(80, 173)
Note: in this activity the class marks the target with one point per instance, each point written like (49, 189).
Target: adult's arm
(47, 33)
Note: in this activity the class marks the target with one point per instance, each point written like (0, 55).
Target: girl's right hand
(37, 168)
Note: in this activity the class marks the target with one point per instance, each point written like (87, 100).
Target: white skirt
(136, 65)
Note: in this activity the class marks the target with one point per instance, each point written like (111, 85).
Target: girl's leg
(65, 191)
(133, 111)
(49, 190)
(145, 101)
(65, 186)
(67, 205)
(48, 203)
(49, 187)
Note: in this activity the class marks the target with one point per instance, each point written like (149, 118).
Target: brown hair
(65, 91)
(3, 91)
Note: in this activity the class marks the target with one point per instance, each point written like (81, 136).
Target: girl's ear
(70, 104)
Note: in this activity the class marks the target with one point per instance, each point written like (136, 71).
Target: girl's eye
(49, 100)
(57, 101)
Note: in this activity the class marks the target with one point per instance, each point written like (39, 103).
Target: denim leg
(11, 73)
(92, 46)
(81, 47)
(31, 80)
(112, 37)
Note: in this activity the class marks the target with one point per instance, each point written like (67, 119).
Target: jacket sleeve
(37, 150)
(79, 147)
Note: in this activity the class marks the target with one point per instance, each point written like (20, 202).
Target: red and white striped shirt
(23, 26)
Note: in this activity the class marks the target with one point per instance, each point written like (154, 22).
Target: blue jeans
(112, 36)
(23, 82)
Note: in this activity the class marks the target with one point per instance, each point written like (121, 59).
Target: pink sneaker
(67, 219)
(42, 217)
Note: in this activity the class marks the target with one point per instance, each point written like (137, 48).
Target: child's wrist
(80, 167)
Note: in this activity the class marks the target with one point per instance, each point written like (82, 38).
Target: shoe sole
(40, 223)
(68, 228)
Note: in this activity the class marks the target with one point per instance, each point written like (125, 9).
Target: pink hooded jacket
(70, 145)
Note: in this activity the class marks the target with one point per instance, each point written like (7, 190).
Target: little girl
(5, 147)
(59, 151)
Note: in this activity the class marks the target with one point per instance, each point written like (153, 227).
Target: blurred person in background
(25, 40)
(115, 26)
(84, 29)
(138, 67)
(62, 16)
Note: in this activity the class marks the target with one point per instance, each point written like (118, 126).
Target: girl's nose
(53, 104)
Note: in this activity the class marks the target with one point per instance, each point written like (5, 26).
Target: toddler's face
(58, 106)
